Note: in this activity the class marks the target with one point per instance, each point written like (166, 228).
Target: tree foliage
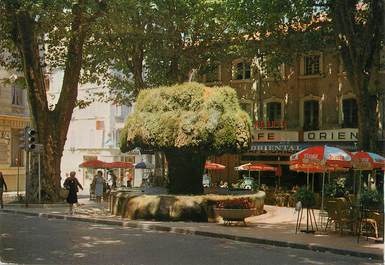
(187, 122)
(144, 44)
(188, 117)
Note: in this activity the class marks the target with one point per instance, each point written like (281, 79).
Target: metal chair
(331, 208)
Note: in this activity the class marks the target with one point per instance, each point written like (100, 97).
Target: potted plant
(235, 210)
(336, 189)
(306, 197)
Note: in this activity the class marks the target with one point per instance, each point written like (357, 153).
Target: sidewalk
(276, 227)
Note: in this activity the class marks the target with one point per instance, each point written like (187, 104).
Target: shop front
(11, 157)
(274, 147)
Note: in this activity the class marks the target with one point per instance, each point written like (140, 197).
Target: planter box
(237, 215)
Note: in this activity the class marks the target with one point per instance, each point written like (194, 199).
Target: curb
(188, 231)
(36, 205)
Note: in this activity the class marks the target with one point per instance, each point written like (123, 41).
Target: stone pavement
(275, 227)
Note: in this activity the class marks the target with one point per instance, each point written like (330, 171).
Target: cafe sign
(274, 136)
(337, 135)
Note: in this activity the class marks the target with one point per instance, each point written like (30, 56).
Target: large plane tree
(188, 122)
(37, 37)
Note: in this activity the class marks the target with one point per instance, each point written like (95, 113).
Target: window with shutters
(17, 96)
(311, 115)
(274, 111)
(312, 65)
(350, 116)
(242, 71)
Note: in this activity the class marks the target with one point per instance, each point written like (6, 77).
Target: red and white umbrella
(299, 167)
(323, 156)
(313, 168)
(367, 161)
(214, 166)
(256, 167)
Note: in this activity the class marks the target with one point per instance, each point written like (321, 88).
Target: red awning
(214, 166)
(93, 164)
(119, 164)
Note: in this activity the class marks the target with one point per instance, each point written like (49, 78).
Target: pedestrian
(3, 186)
(113, 179)
(71, 184)
(98, 184)
(129, 179)
(121, 180)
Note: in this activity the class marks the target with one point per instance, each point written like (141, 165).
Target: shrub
(306, 197)
(240, 203)
(370, 199)
(336, 189)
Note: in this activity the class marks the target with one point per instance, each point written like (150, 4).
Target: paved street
(33, 240)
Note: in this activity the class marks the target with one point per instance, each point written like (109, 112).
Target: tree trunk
(137, 68)
(359, 46)
(367, 121)
(50, 159)
(51, 125)
(185, 172)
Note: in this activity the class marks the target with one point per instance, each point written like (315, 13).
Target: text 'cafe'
(275, 147)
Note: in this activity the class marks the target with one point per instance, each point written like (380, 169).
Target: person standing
(98, 184)
(3, 187)
(71, 184)
(113, 179)
(129, 179)
(121, 180)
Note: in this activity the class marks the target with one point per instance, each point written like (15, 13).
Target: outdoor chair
(280, 199)
(371, 221)
(352, 199)
(345, 219)
(331, 208)
(291, 200)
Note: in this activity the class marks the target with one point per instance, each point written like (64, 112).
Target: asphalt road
(33, 240)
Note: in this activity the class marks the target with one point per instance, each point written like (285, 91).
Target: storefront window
(311, 114)
(349, 107)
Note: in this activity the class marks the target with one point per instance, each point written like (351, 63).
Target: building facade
(307, 103)
(14, 116)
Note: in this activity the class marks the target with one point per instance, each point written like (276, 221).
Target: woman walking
(3, 186)
(98, 184)
(71, 183)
